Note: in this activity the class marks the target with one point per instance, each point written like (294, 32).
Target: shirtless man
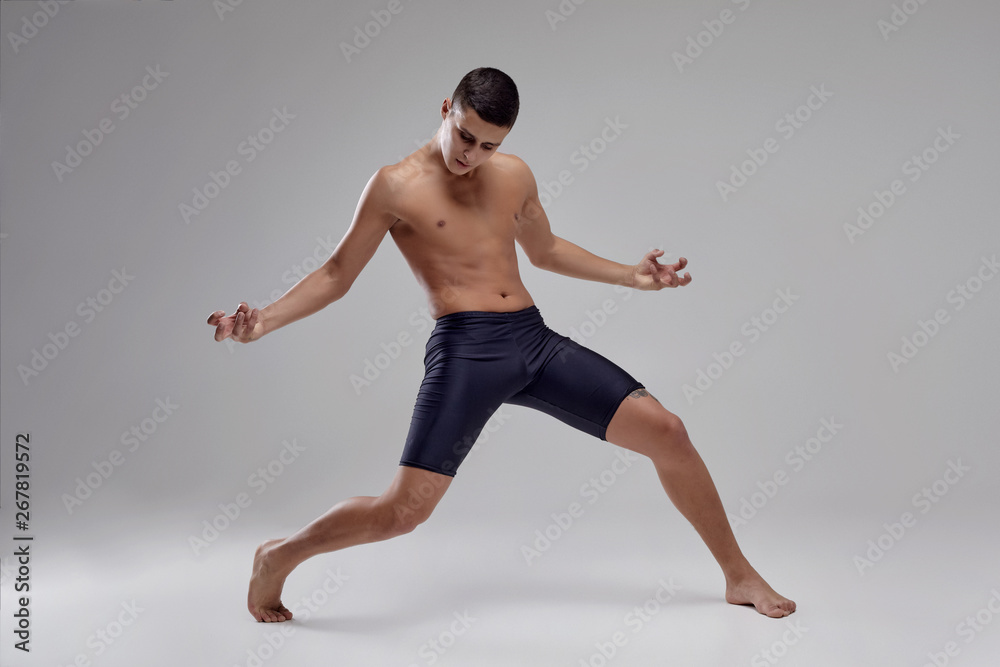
(455, 208)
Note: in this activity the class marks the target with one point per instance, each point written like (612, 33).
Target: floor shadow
(414, 607)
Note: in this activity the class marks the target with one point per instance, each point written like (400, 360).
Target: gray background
(682, 130)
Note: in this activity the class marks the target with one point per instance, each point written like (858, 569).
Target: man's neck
(433, 156)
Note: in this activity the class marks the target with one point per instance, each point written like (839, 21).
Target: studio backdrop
(828, 169)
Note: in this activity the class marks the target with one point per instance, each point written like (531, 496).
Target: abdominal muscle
(459, 294)
(491, 302)
(463, 255)
(493, 285)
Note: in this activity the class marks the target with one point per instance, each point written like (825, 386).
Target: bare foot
(753, 590)
(264, 597)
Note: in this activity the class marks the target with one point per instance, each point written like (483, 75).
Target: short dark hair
(490, 93)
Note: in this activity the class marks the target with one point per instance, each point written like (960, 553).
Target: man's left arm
(553, 253)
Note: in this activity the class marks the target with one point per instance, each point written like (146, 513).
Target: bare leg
(644, 426)
(409, 501)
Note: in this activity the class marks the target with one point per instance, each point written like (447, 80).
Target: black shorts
(475, 361)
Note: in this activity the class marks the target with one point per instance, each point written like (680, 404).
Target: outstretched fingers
(246, 320)
(240, 325)
(675, 268)
(650, 258)
(223, 325)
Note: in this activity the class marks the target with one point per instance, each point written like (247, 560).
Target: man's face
(467, 140)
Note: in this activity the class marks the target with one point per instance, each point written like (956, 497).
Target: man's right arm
(331, 281)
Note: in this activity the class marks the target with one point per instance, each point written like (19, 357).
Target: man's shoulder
(510, 161)
(512, 167)
(390, 180)
(395, 176)
(408, 170)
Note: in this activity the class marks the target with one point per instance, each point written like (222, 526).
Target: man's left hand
(650, 275)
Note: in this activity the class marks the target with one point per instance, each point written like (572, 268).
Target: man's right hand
(243, 326)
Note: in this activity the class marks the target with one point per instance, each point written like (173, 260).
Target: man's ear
(445, 108)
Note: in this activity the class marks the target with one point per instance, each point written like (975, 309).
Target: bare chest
(451, 217)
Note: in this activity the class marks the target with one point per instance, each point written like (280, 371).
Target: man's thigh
(579, 387)
(465, 381)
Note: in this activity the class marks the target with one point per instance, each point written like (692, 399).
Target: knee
(393, 519)
(671, 426)
(673, 434)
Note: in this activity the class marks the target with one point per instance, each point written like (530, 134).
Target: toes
(781, 609)
(276, 615)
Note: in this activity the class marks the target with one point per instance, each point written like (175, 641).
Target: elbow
(542, 259)
(539, 261)
(335, 283)
(337, 289)
(336, 293)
